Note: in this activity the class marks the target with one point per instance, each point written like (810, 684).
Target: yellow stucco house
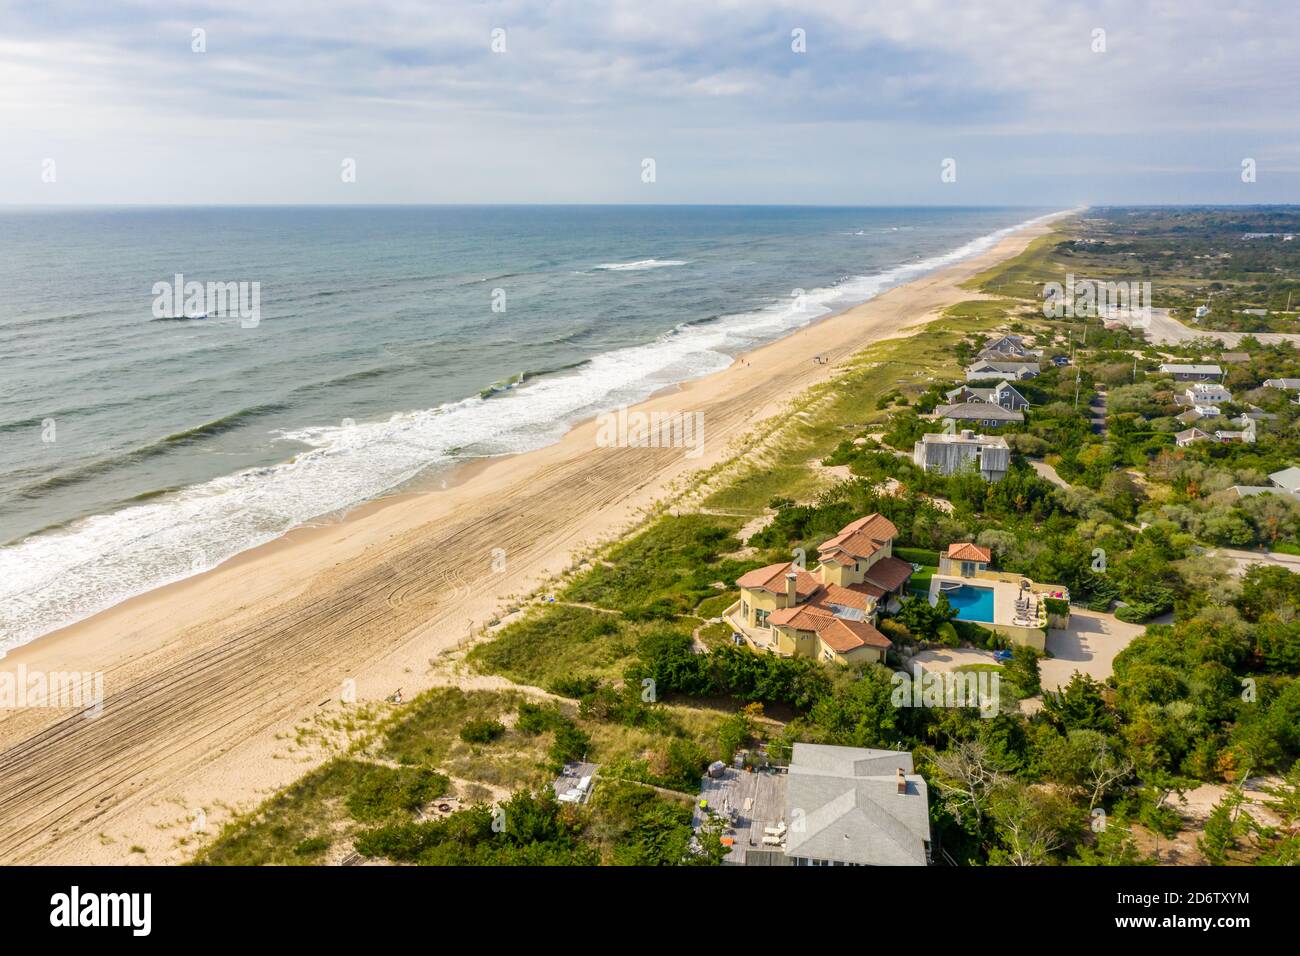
(828, 613)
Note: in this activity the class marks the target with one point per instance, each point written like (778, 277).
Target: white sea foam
(55, 578)
(639, 265)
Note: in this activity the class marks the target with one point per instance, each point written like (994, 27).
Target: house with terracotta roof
(828, 613)
(965, 559)
(1010, 604)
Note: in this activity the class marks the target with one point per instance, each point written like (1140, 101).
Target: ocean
(389, 344)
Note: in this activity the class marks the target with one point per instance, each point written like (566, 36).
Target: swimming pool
(972, 603)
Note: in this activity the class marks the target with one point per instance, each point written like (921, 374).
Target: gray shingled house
(851, 806)
(950, 453)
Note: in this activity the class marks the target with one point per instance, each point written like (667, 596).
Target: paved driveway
(1089, 645)
(1244, 559)
(951, 658)
(1166, 330)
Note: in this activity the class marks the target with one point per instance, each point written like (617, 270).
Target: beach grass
(663, 576)
(1022, 276)
(667, 569)
(558, 642)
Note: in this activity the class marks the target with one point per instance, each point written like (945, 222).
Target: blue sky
(114, 95)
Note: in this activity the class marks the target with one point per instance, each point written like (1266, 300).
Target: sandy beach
(206, 679)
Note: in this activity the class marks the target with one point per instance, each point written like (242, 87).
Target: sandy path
(206, 680)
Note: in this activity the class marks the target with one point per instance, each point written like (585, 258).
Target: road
(1048, 473)
(1165, 330)
(1244, 559)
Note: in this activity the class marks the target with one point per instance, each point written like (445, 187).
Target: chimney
(791, 594)
(902, 781)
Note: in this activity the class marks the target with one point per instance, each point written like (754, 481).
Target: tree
(1022, 670)
(1079, 705)
(966, 777)
(1114, 846)
(922, 618)
(1031, 823)
(1086, 761)
(1221, 829)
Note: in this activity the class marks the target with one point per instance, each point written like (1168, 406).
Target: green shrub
(575, 687)
(312, 846)
(383, 792)
(482, 731)
(922, 556)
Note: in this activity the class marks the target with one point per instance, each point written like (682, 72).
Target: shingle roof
(979, 412)
(852, 811)
(1288, 478)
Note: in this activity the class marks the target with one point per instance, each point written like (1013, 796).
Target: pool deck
(1005, 595)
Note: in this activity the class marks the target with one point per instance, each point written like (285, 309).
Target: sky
(841, 102)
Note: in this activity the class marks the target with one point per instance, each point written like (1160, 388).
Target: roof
(837, 633)
(979, 411)
(772, 578)
(967, 551)
(859, 539)
(851, 809)
(1234, 357)
(1244, 491)
(1288, 478)
(992, 441)
(1190, 434)
(1175, 368)
(848, 548)
(874, 524)
(889, 573)
(1004, 366)
(1287, 383)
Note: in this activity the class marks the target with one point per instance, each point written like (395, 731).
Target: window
(760, 617)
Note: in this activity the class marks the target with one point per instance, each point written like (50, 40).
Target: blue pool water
(972, 603)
